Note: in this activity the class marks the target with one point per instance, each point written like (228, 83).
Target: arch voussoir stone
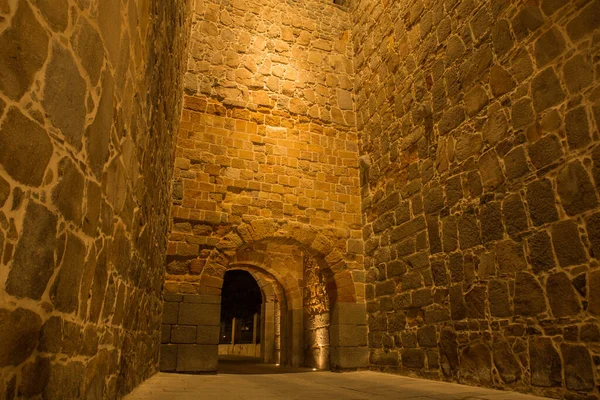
(231, 242)
(300, 232)
(321, 245)
(304, 236)
(334, 257)
(263, 228)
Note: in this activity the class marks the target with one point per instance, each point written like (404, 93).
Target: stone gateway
(413, 185)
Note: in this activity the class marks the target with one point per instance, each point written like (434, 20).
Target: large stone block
(593, 229)
(578, 74)
(173, 298)
(55, 12)
(165, 334)
(36, 375)
(208, 335)
(476, 364)
(197, 358)
(33, 262)
(199, 314)
(19, 331)
(170, 312)
(547, 90)
(4, 190)
(586, 21)
(183, 334)
(540, 252)
(567, 243)
(65, 95)
(413, 358)
(594, 292)
(505, 361)
(68, 193)
(109, 20)
(98, 133)
(541, 202)
(529, 296)
(203, 299)
(349, 313)
(515, 217)
(88, 46)
(64, 293)
(168, 357)
(561, 295)
(66, 381)
(499, 300)
(448, 351)
(25, 148)
(577, 127)
(349, 357)
(348, 335)
(548, 47)
(24, 49)
(579, 370)
(545, 151)
(545, 363)
(575, 189)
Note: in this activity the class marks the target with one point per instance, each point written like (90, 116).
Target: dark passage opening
(240, 304)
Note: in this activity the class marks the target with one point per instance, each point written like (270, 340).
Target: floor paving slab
(249, 381)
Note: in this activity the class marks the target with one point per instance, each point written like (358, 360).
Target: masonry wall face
(90, 97)
(267, 130)
(267, 154)
(479, 125)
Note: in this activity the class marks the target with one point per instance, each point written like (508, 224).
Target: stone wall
(267, 129)
(316, 316)
(268, 152)
(90, 95)
(479, 130)
(190, 333)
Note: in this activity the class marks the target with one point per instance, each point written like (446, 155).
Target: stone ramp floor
(269, 384)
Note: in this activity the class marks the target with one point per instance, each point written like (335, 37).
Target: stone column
(191, 326)
(296, 337)
(254, 326)
(348, 336)
(232, 333)
(316, 316)
(280, 329)
(267, 334)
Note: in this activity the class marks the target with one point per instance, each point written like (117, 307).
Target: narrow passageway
(306, 384)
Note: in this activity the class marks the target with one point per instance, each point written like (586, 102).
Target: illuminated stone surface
(82, 252)
(266, 383)
(437, 161)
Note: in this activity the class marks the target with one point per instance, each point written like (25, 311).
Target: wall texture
(90, 95)
(479, 123)
(267, 129)
(267, 149)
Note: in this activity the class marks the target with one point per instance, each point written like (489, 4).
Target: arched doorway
(241, 314)
(295, 313)
(318, 319)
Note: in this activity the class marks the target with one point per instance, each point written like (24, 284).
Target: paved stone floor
(249, 381)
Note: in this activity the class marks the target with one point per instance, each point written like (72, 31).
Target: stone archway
(341, 284)
(273, 321)
(348, 330)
